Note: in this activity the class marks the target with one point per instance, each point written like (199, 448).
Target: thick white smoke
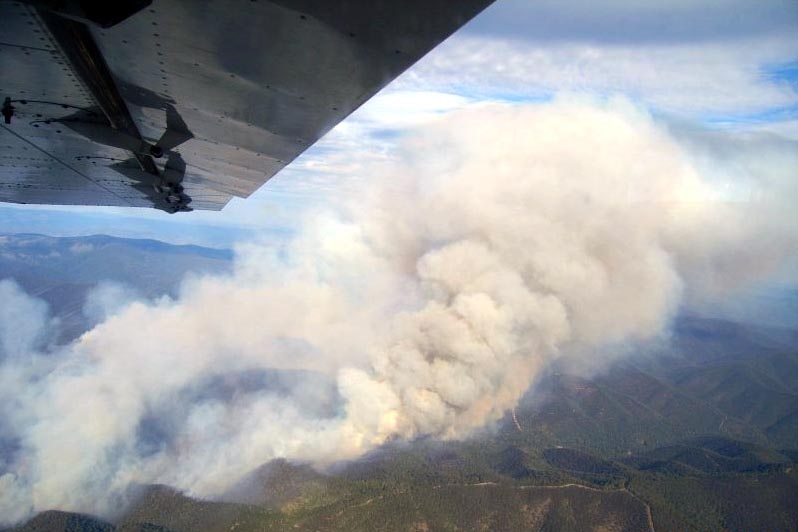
(503, 238)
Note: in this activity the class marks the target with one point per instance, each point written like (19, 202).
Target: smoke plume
(499, 239)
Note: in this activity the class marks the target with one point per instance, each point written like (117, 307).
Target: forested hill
(62, 270)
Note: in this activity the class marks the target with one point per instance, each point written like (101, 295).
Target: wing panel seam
(84, 176)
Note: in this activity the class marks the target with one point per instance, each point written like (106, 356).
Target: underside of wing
(183, 104)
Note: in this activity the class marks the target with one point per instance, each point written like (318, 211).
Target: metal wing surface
(183, 104)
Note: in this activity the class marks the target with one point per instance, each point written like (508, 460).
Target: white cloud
(692, 78)
(691, 58)
(334, 165)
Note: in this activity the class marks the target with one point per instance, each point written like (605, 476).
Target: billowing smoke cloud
(501, 238)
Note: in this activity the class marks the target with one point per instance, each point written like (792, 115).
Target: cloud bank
(709, 61)
(499, 239)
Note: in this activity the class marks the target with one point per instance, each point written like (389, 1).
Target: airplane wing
(183, 104)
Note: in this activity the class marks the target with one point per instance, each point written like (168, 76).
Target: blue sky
(725, 64)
